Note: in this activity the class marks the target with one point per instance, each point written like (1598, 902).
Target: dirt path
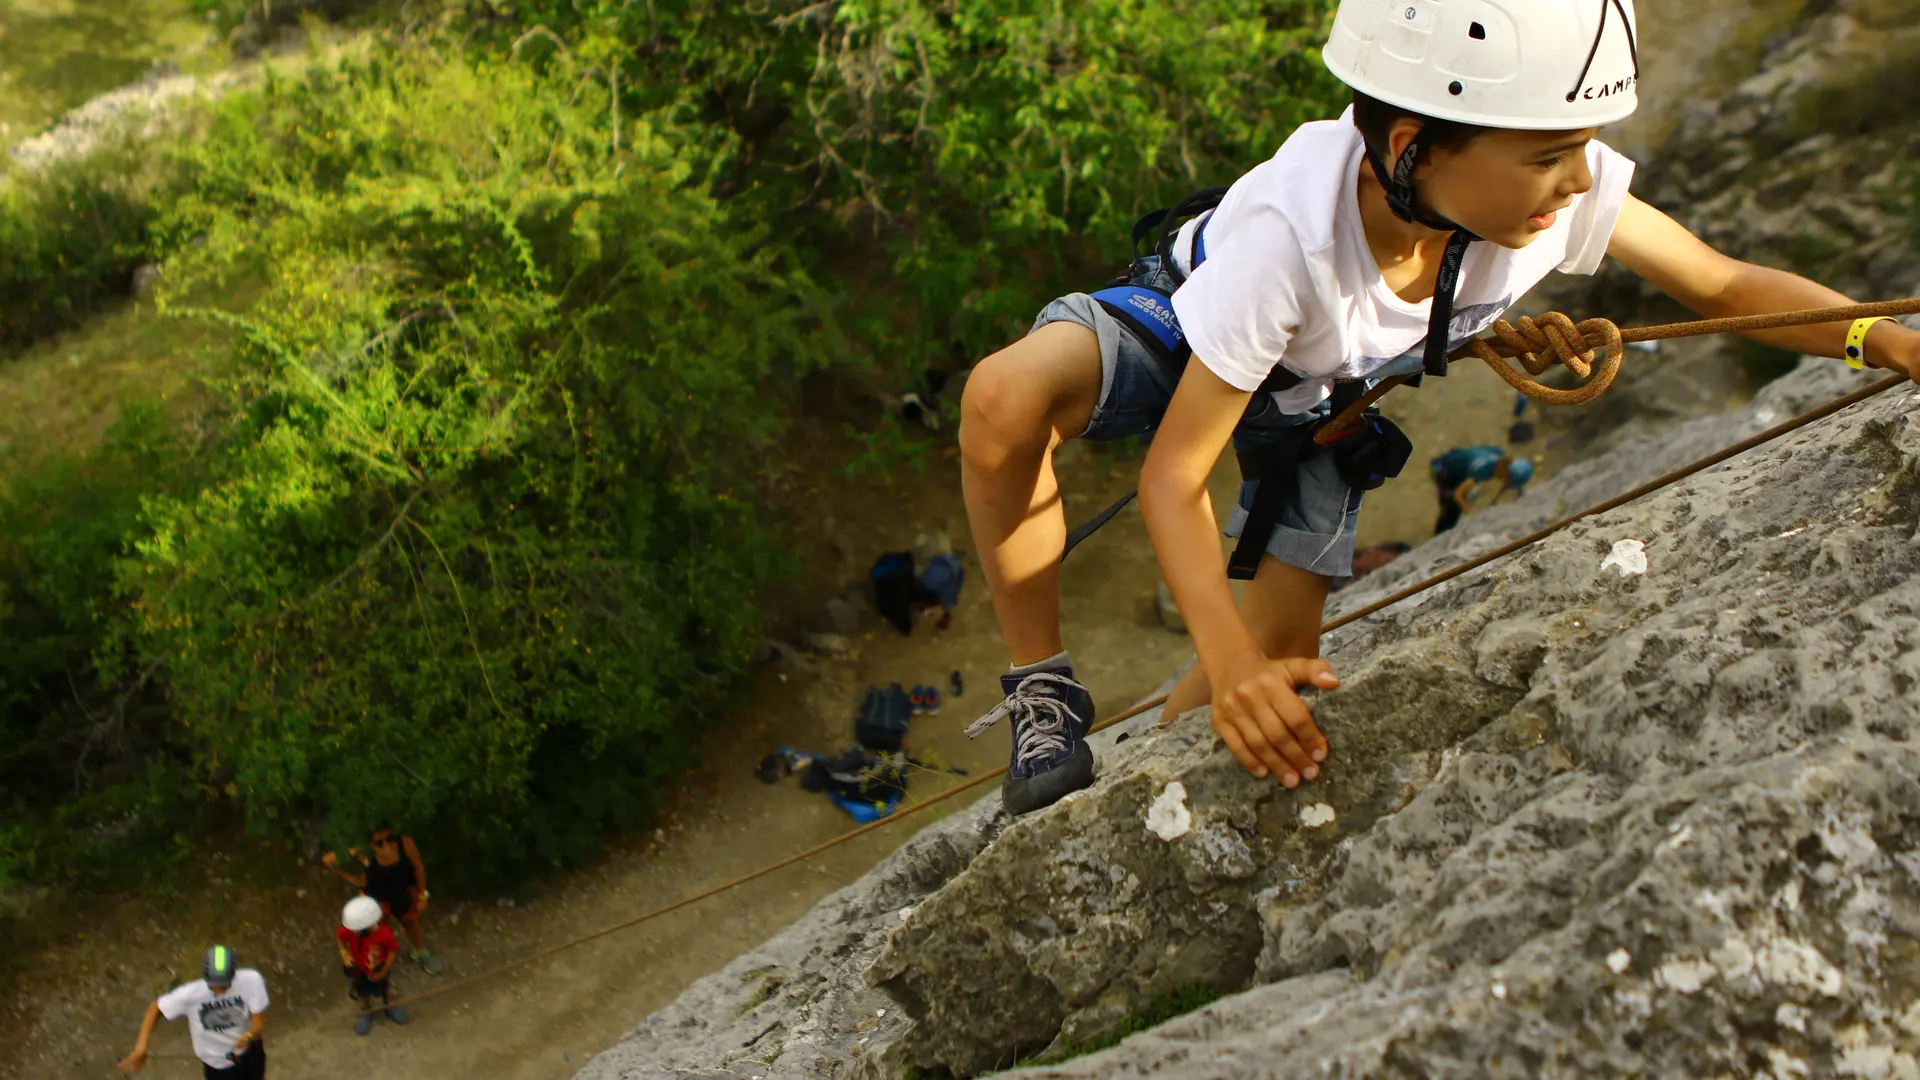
(543, 1021)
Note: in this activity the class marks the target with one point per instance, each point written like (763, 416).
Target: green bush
(82, 760)
(72, 235)
(958, 162)
(475, 551)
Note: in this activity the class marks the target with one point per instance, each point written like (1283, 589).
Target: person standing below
(397, 878)
(226, 1011)
(1457, 472)
(367, 951)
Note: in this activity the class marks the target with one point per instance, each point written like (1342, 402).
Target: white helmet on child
(1534, 65)
(361, 913)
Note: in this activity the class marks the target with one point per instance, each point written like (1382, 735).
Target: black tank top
(392, 885)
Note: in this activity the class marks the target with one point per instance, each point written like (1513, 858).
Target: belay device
(1140, 299)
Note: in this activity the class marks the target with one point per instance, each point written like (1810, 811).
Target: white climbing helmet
(1535, 65)
(361, 913)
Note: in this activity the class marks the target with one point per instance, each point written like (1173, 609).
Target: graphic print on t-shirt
(216, 1020)
(224, 1014)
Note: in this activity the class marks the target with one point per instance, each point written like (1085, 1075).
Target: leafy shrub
(73, 234)
(477, 534)
(959, 162)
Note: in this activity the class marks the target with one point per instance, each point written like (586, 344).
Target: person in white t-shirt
(226, 1011)
(1465, 171)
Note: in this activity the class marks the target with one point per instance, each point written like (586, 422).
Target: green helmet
(217, 966)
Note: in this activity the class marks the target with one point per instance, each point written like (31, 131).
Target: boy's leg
(1020, 404)
(1284, 607)
(389, 1002)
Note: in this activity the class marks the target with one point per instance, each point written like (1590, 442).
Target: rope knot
(1555, 339)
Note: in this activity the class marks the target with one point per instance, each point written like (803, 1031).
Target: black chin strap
(1405, 204)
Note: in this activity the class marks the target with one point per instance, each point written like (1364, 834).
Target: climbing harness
(1140, 298)
(1371, 451)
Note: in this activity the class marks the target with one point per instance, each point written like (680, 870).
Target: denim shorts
(1316, 525)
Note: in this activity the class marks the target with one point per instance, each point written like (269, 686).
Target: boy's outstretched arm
(1255, 708)
(1684, 267)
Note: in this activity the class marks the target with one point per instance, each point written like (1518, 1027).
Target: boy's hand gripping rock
(1259, 715)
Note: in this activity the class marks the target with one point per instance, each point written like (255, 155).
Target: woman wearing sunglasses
(397, 878)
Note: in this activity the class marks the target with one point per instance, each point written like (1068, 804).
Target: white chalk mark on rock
(1685, 976)
(1168, 817)
(1628, 556)
(1619, 960)
(1317, 815)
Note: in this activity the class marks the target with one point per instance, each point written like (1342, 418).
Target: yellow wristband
(1857, 340)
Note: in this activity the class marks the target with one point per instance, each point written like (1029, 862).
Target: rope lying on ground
(1555, 339)
(1800, 421)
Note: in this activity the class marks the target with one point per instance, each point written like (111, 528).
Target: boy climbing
(1458, 471)
(1465, 171)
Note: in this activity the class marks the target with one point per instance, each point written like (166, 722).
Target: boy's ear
(1399, 136)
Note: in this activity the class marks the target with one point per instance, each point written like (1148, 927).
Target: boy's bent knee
(1041, 389)
(1002, 408)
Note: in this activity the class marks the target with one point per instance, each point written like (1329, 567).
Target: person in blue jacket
(1457, 472)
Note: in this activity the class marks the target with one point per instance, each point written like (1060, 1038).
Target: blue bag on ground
(865, 811)
(942, 579)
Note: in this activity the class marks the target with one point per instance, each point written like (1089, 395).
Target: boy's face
(1507, 186)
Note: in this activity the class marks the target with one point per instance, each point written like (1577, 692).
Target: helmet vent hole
(1477, 32)
(1455, 88)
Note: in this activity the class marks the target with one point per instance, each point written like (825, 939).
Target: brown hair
(1375, 118)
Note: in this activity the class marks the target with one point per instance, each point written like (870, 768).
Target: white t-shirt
(216, 1020)
(1289, 276)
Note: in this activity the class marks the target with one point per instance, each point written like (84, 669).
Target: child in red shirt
(367, 951)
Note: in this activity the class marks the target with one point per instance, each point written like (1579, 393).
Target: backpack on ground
(883, 719)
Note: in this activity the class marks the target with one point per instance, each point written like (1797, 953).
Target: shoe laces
(1039, 718)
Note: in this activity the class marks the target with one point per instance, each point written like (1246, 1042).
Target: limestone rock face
(1579, 821)
(1584, 822)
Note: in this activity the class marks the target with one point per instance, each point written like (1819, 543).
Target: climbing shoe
(1051, 713)
(363, 1023)
(397, 1014)
(428, 962)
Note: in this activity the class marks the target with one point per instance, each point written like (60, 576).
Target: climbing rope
(1651, 486)
(1553, 338)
